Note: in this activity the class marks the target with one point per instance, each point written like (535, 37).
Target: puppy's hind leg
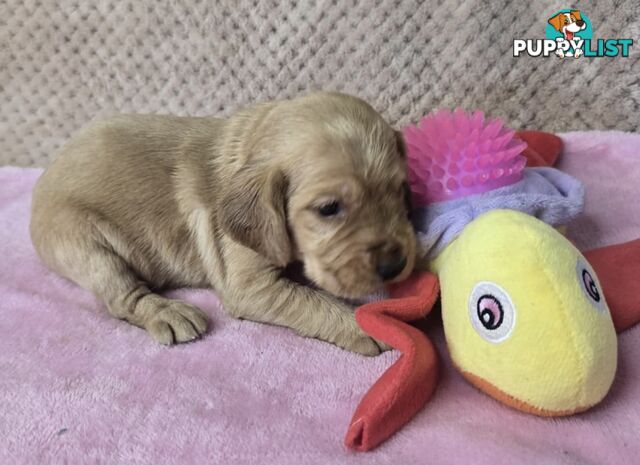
(128, 298)
(89, 260)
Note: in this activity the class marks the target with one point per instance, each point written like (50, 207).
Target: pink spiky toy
(456, 154)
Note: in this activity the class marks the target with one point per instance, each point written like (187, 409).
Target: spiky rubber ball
(455, 154)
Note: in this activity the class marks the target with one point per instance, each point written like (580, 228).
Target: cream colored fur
(139, 203)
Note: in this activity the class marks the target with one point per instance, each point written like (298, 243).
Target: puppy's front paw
(362, 344)
(351, 337)
(358, 341)
(383, 346)
(175, 322)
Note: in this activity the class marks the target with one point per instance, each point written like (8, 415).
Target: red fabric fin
(406, 386)
(618, 269)
(543, 148)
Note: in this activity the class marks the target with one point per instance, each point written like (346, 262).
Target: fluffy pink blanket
(77, 386)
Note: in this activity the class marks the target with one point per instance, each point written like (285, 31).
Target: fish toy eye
(589, 285)
(491, 312)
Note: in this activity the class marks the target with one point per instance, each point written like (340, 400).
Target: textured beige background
(65, 62)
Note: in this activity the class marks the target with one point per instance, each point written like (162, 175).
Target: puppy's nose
(580, 23)
(391, 264)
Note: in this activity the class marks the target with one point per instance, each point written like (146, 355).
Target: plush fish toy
(525, 319)
(525, 313)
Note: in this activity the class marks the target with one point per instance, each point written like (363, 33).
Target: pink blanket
(77, 386)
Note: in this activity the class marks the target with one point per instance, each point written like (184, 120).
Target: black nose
(580, 23)
(389, 269)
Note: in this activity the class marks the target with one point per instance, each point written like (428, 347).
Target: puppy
(568, 24)
(140, 203)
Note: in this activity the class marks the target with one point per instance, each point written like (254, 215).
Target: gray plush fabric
(65, 62)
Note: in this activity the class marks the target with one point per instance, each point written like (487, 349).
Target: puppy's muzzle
(391, 262)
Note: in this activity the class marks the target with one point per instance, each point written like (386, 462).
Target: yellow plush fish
(524, 316)
(525, 320)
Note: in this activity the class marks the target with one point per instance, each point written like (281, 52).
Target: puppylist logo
(569, 34)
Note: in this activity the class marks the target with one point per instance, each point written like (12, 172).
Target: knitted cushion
(64, 62)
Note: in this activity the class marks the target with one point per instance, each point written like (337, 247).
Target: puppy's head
(322, 179)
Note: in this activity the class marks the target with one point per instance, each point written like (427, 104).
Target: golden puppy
(139, 203)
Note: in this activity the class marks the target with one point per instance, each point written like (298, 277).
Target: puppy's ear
(253, 211)
(576, 15)
(408, 198)
(400, 144)
(557, 22)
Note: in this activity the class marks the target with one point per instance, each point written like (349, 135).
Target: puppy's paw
(358, 341)
(351, 337)
(176, 322)
(383, 346)
(362, 344)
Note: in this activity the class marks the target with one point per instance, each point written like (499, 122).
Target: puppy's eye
(329, 209)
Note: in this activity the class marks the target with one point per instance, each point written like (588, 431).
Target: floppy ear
(556, 21)
(253, 211)
(402, 147)
(576, 15)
